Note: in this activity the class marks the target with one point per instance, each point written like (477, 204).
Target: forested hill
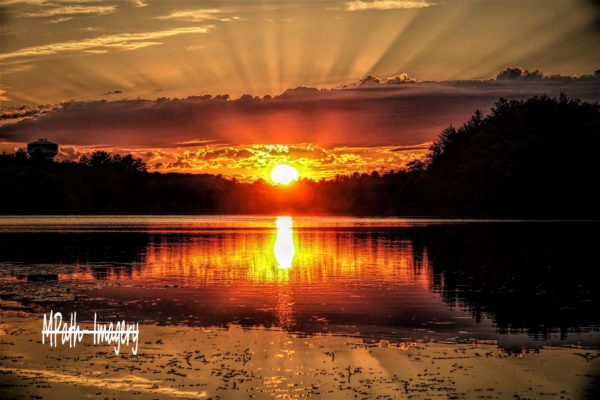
(536, 158)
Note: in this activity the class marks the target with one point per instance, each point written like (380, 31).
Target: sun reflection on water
(285, 253)
(284, 248)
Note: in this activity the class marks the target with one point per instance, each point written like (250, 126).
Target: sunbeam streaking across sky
(186, 48)
(223, 87)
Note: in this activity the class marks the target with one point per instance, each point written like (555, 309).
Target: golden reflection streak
(284, 248)
(248, 257)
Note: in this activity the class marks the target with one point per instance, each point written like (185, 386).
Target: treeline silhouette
(527, 277)
(535, 158)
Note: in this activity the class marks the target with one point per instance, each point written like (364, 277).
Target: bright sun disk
(284, 174)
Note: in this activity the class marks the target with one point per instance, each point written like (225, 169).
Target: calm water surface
(523, 284)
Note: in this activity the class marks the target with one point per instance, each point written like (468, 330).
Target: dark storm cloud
(374, 114)
(18, 113)
(520, 73)
(112, 92)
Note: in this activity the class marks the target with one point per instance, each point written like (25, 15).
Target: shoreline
(185, 362)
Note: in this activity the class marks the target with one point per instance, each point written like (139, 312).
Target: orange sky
(58, 50)
(75, 70)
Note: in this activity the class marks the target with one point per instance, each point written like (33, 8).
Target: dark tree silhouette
(103, 159)
(535, 158)
(527, 158)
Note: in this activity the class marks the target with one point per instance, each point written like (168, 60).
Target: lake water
(521, 284)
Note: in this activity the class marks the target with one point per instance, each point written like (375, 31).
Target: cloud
(520, 73)
(400, 78)
(361, 5)
(193, 143)
(507, 74)
(198, 15)
(22, 2)
(373, 82)
(299, 92)
(193, 15)
(120, 41)
(139, 3)
(16, 114)
(60, 19)
(386, 122)
(423, 146)
(3, 96)
(70, 10)
(112, 92)
(52, 3)
(249, 162)
(368, 81)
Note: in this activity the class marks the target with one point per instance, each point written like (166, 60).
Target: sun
(284, 174)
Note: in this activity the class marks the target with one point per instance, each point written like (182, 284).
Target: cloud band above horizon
(357, 126)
